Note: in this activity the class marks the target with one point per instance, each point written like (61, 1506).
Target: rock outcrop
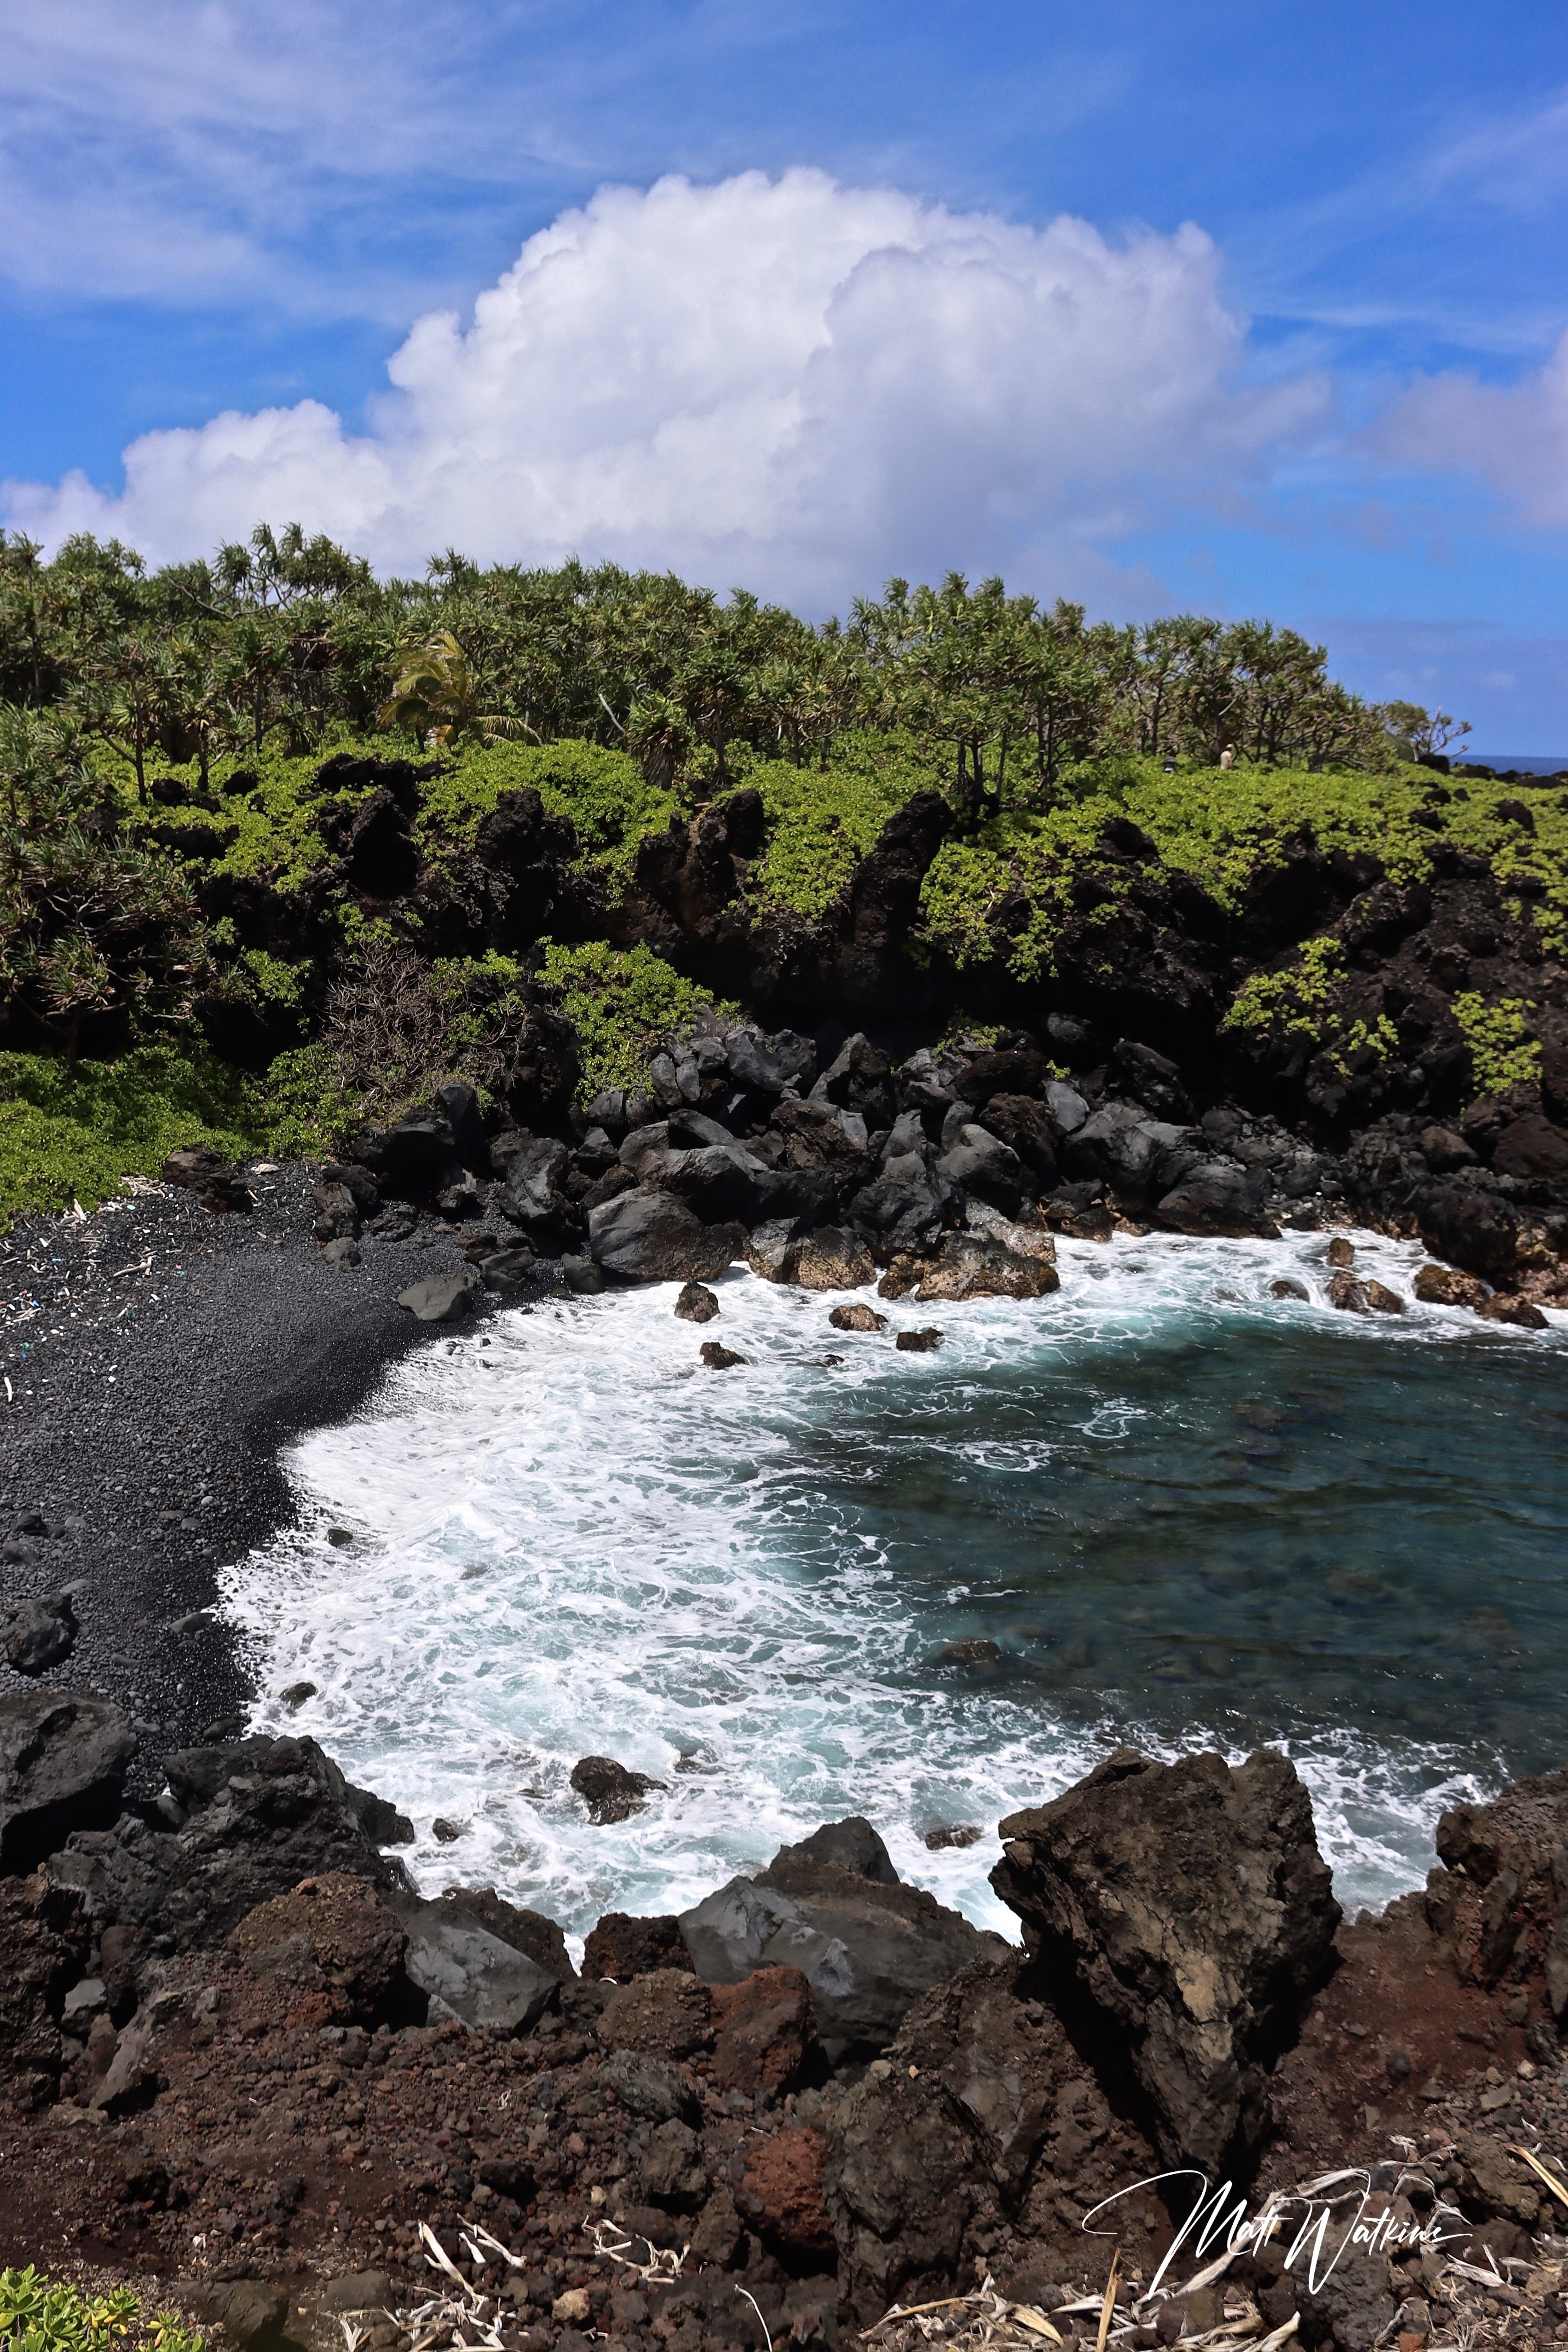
(1186, 1909)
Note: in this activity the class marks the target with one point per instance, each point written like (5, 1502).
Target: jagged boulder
(867, 1946)
(258, 1816)
(63, 1761)
(1187, 1908)
(1499, 1905)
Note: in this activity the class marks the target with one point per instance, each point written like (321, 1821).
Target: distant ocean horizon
(1535, 766)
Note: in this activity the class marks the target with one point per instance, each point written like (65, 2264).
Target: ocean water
(1183, 1512)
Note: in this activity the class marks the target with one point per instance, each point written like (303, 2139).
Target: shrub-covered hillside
(284, 846)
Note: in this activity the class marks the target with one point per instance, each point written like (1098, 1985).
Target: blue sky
(1251, 308)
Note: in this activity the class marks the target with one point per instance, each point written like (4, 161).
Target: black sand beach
(157, 1358)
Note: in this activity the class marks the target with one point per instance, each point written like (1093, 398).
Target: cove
(1160, 1507)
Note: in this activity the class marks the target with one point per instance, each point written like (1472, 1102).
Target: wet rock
(332, 1932)
(830, 1258)
(856, 1319)
(1347, 1294)
(623, 1947)
(1215, 1199)
(768, 1245)
(1520, 1312)
(1285, 1286)
(63, 1761)
(40, 1633)
(1445, 1286)
(1189, 1906)
(609, 1791)
(650, 2086)
(1478, 1231)
(718, 1358)
(510, 1269)
(973, 1265)
(696, 1304)
(919, 1343)
(441, 1298)
(1384, 1301)
(763, 2029)
(664, 2014)
(468, 1973)
(1340, 1251)
(646, 1235)
(781, 2193)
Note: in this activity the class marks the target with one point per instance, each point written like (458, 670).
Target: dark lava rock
(718, 1358)
(216, 1182)
(443, 1298)
(1500, 1900)
(41, 1634)
(63, 1761)
(645, 1235)
(696, 1304)
(919, 1343)
(866, 1947)
(261, 1814)
(43, 1945)
(650, 2087)
(1188, 1906)
(850, 1845)
(329, 1933)
(526, 1931)
(467, 1972)
(610, 1792)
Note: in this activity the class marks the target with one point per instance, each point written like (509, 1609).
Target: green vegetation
(38, 2316)
(70, 1136)
(173, 847)
(1501, 1052)
(623, 1003)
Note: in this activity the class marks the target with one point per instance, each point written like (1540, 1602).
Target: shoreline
(161, 1358)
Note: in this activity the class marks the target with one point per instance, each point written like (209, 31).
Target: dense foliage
(196, 938)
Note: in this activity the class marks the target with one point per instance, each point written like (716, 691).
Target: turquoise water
(1182, 1512)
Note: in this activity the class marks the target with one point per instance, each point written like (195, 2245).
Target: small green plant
(37, 2316)
(624, 1004)
(1502, 1052)
(1294, 1002)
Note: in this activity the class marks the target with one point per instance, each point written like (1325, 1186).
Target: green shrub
(604, 793)
(36, 2317)
(1502, 1053)
(65, 1137)
(624, 1004)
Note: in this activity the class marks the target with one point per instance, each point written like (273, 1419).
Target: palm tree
(434, 692)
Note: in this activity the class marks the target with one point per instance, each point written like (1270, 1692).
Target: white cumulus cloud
(1514, 437)
(785, 382)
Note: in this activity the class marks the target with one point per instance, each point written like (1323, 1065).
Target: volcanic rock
(1188, 1904)
(63, 1761)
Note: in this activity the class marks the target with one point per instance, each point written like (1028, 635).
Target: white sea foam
(569, 1538)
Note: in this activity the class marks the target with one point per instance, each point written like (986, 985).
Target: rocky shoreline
(245, 2060)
